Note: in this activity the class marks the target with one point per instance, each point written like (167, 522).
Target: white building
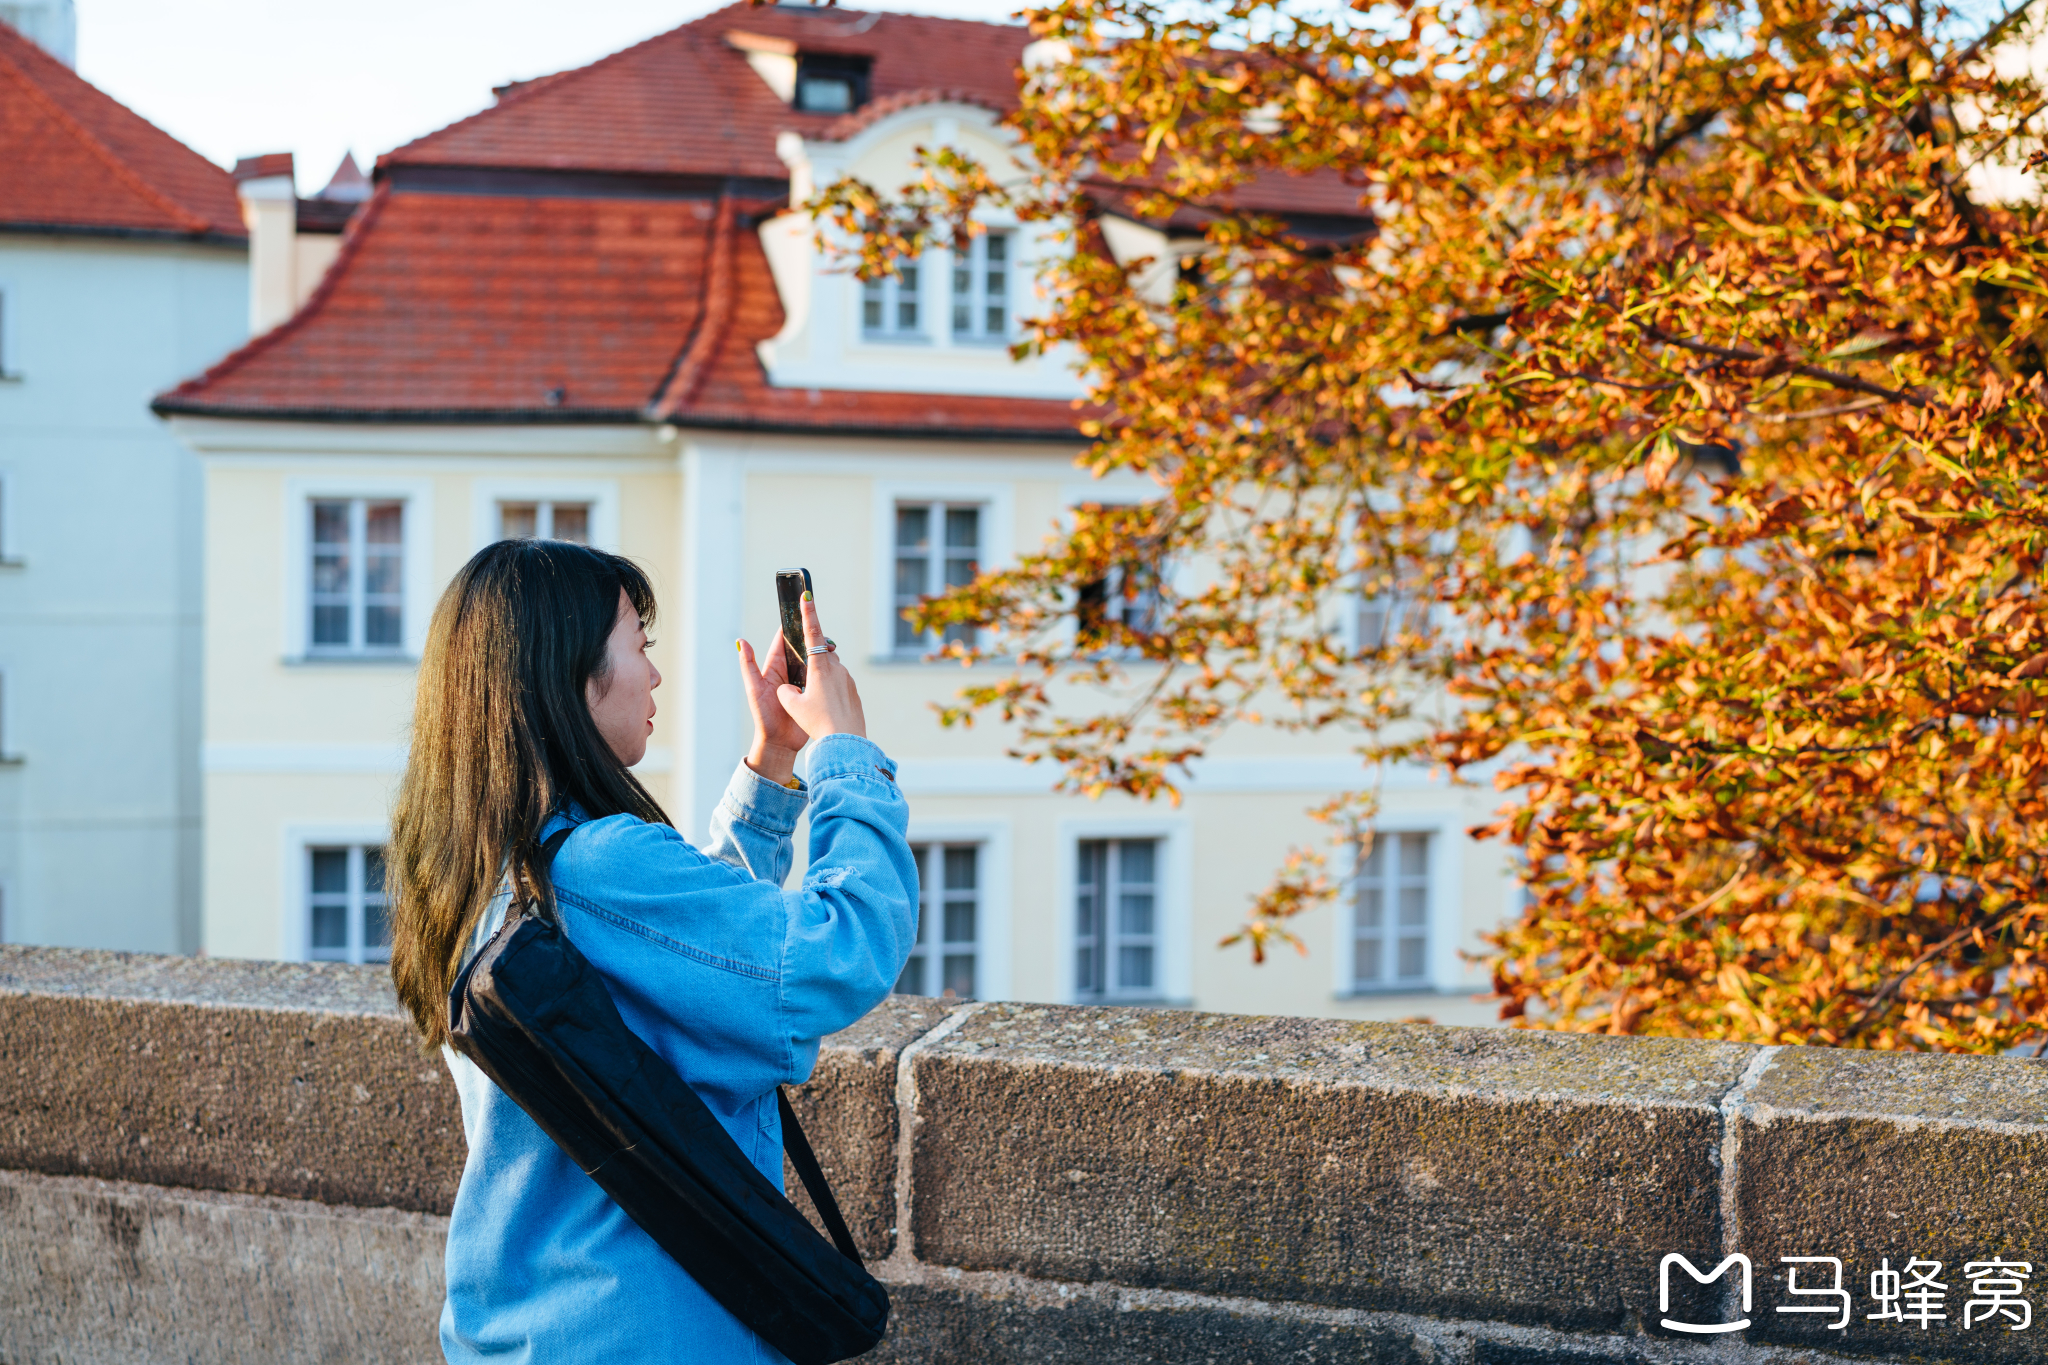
(587, 312)
(123, 265)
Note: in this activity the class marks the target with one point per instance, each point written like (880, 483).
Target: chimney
(270, 209)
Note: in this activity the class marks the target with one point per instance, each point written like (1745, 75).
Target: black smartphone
(790, 587)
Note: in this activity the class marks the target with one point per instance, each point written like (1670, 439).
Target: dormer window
(831, 84)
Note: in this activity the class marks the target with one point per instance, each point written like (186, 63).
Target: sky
(232, 78)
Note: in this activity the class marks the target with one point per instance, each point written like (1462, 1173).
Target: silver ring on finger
(826, 648)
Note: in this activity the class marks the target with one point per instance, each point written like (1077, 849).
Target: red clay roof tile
(495, 307)
(687, 102)
(76, 158)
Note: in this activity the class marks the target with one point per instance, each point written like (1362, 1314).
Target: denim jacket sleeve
(853, 923)
(754, 826)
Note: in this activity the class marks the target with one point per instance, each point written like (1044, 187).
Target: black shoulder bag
(536, 1017)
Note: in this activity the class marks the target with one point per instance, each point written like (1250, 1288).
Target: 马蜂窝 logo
(1911, 1297)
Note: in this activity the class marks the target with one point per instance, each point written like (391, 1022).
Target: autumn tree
(1686, 403)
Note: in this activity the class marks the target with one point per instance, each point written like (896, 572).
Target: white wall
(99, 608)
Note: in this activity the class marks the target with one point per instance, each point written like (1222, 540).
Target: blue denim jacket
(731, 978)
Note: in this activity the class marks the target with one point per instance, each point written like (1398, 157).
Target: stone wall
(231, 1161)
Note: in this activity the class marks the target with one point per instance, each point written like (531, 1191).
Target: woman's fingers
(814, 634)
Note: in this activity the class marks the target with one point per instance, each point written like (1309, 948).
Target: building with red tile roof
(586, 250)
(78, 161)
(124, 267)
(589, 313)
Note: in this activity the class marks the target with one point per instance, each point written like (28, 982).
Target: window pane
(959, 980)
(1375, 860)
(1134, 914)
(960, 869)
(1369, 907)
(825, 95)
(330, 932)
(963, 318)
(518, 520)
(330, 523)
(373, 872)
(376, 931)
(381, 626)
(1135, 867)
(330, 871)
(871, 308)
(1414, 905)
(995, 320)
(1414, 855)
(963, 528)
(1365, 962)
(912, 980)
(330, 625)
(330, 572)
(998, 247)
(572, 522)
(960, 921)
(384, 523)
(381, 573)
(1410, 965)
(913, 527)
(910, 572)
(1134, 967)
(960, 570)
(906, 299)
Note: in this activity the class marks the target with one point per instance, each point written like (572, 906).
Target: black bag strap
(806, 1162)
(794, 1142)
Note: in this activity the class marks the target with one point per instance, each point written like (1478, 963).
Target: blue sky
(232, 78)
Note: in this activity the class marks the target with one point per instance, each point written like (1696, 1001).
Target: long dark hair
(501, 736)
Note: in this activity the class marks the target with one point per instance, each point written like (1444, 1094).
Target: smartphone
(790, 587)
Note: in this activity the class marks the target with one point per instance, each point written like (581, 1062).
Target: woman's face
(622, 701)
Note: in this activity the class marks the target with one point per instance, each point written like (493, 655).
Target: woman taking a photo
(535, 699)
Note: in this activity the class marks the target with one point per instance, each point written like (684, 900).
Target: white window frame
(992, 960)
(602, 495)
(974, 262)
(1117, 494)
(998, 520)
(1448, 847)
(356, 903)
(891, 289)
(295, 931)
(1173, 911)
(297, 579)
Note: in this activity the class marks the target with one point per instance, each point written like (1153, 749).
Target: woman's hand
(829, 703)
(776, 736)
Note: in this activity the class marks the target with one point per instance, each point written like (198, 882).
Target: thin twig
(1918, 398)
(1860, 405)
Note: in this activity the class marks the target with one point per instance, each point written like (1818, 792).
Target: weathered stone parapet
(298, 1080)
(1461, 1172)
(1039, 1183)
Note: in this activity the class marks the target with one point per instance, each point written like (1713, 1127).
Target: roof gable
(78, 159)
(687, 102)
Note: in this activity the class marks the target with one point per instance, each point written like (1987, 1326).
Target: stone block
(292, 1079)
(1875, 1157)
(101, 1273)
(1026, 1324)
(848, 1110)
(1506, 1175)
